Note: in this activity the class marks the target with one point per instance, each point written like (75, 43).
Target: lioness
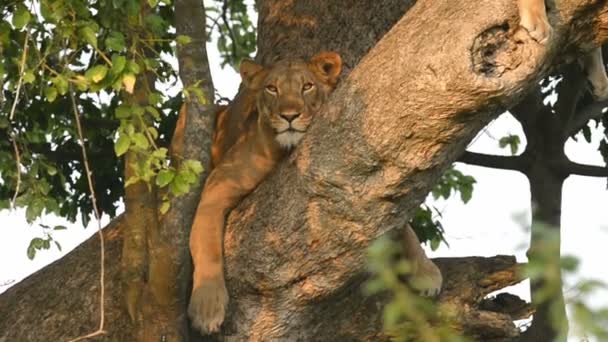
(533, 17)
(252, 135)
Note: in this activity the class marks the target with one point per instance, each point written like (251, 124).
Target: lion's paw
(536, 23)
(208, 305)
(427, 279)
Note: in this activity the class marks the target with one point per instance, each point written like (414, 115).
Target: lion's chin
(289, 139)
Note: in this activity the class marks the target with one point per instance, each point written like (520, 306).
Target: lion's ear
(249, 69)
(327, 65)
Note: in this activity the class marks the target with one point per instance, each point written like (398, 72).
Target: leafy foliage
(237, 34)
(44, 243)
(113, 57)
(512, 141)
(424, 222)
(407, 316)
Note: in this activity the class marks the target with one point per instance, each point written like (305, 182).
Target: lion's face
(291, 92)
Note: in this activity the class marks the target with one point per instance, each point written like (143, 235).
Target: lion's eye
(307, 86)
(271, 89)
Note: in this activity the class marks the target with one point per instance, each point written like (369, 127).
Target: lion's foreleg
(209, 296)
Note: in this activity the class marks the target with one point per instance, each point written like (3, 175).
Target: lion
(533, 18)
(266, 120)
(261, 126)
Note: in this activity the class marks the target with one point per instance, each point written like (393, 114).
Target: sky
(493, 222)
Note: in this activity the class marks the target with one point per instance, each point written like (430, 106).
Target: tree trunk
(546, 131)
(295, 248)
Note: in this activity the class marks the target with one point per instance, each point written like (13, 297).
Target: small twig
(12, 115)
(229, 28)
(21, 72)
(100, 330)
(18, 161)
(1, 82)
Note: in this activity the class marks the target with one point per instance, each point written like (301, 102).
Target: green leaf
(154, 112)
(183, 40)
(140, 140)
(34, 209)
(194, 165)
(155, 23)
(510, 140)
(31, 252)
(152, 3)
(435, 244)
(118, 64)
(21, 17)
(122, 145)
(164, 177)
(97, 73)
(88, 35)
(115, 41)
(58, 245)
(38, 243)
(50, 93)
(130, 129)
(466, 192)
(61, 83)
(51, 170)
(164, 207)
(59, 227)
(128, 80)
(123, 112)
(179, 186)
(28, 77)
(155, 98)
(153, 132)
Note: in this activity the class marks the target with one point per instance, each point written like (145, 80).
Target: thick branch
(515, 163)
(572, 168)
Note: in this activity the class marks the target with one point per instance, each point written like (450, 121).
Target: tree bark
(295, 248)
(402, 116)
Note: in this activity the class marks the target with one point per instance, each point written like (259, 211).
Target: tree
(393, 151)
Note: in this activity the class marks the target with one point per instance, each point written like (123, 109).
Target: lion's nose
(289, 117)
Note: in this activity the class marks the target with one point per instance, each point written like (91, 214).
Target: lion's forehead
(296, 72)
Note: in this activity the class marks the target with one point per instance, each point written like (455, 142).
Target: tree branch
(515, 163)
(572, 168)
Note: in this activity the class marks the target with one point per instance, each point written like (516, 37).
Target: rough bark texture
(295, 248)
(401, 117)
(55, 304)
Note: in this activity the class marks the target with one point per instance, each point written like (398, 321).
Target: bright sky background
(490, 224)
